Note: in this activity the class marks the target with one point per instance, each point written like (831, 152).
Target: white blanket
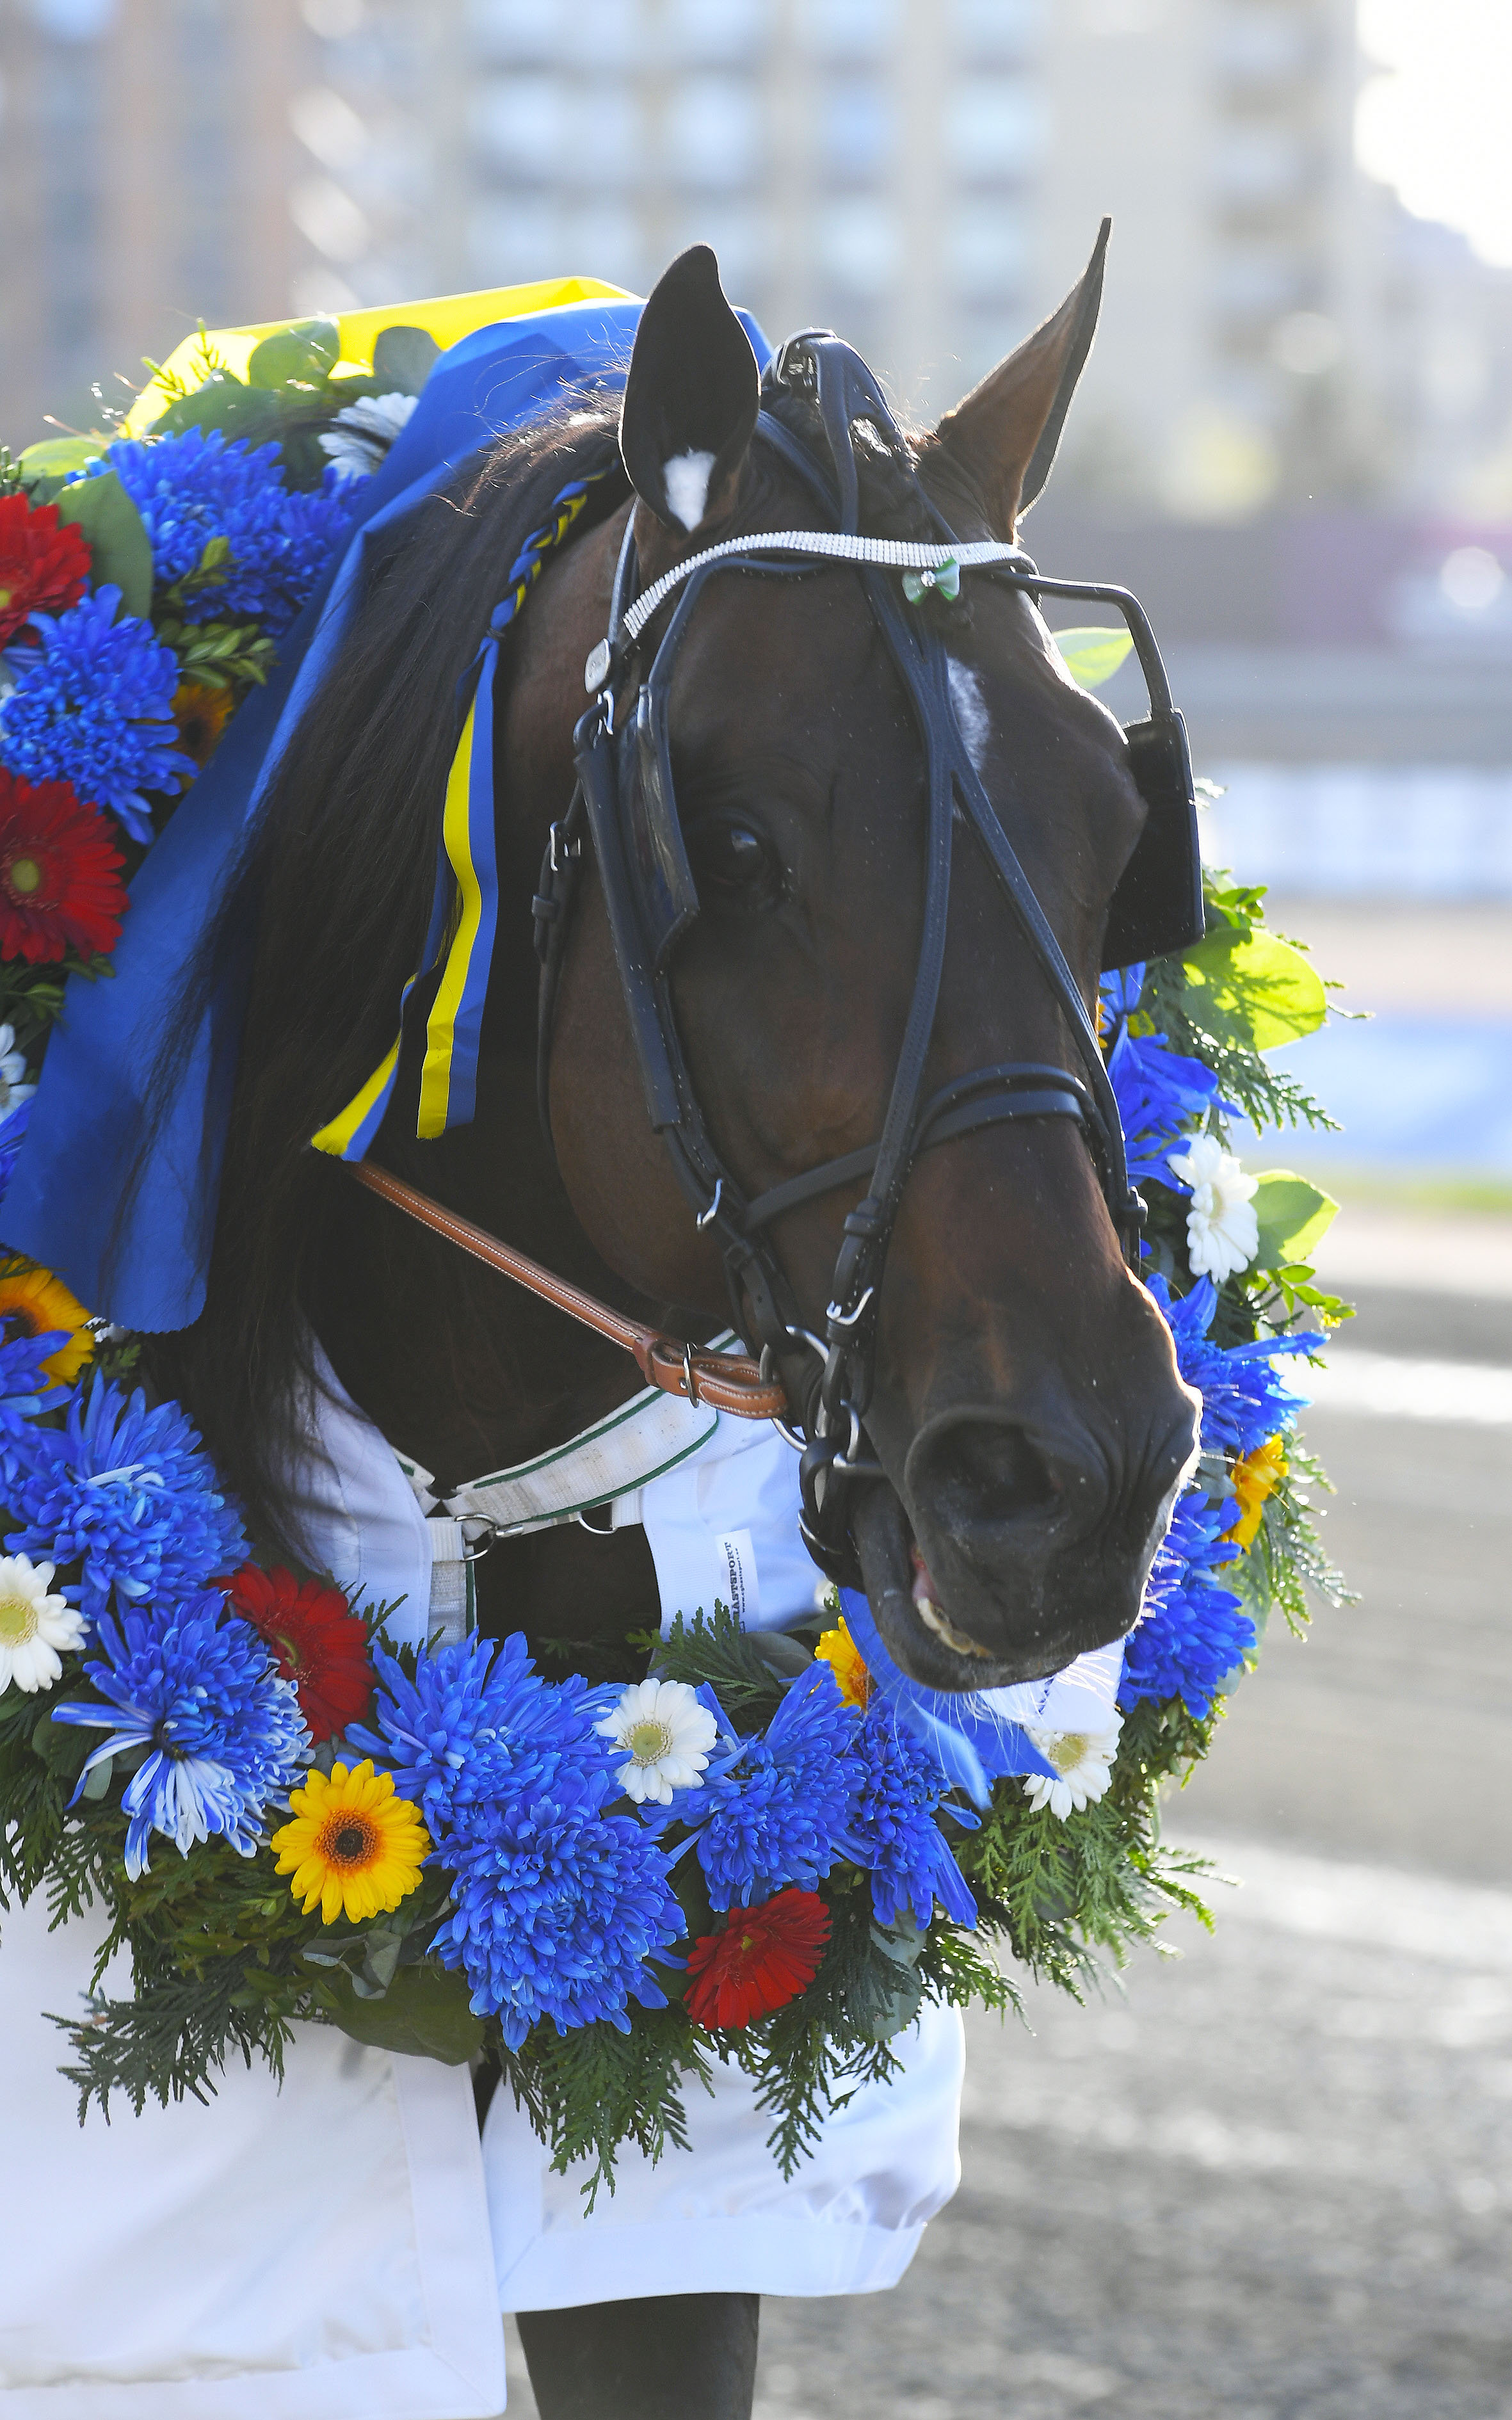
(341, 2251)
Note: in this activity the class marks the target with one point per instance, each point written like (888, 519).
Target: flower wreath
(749, 1851)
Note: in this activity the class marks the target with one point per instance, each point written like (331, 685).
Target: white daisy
(363, 431)
(1083, 1762)
(667, 1735)
(33, 1625)
(1223, 1234)
(14, 1088)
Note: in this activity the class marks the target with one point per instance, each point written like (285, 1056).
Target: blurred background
(1273, 2179)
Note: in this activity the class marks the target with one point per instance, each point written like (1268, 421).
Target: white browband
(895, 554)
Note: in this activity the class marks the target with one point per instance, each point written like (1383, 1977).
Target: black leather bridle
(625, 803)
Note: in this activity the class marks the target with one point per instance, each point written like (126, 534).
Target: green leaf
(1253, 988)
(57, 457)
(223, 403)
(302, 354)
(425, 2013)
(1093, 656)
(1294, 1217)
(401, 360)
(119, 547)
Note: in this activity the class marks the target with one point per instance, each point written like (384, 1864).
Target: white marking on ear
(970, 711)
(686, 478)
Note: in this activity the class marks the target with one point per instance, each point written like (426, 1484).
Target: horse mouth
(916, 1628)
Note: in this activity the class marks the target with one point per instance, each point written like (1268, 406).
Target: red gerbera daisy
(59, 886)
(319, 1642)
(765, 1957)
(45, 563)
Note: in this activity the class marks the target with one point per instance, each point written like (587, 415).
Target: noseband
(625, 799)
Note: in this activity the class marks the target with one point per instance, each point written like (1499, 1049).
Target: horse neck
(457, 1366)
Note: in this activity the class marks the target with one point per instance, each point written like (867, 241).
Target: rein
(727, 1382)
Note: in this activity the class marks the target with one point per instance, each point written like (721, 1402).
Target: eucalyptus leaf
(98, 1782)
(401, 359)
(425, 2013)
(1092, 656)
(305, 355)
(57, 457)
(1254, 988)
(1293, 1218)
(116, 534)
(253, 413)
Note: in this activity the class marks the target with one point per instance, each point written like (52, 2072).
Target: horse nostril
(973, 1470)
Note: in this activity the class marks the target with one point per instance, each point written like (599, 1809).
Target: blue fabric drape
(88, 1126)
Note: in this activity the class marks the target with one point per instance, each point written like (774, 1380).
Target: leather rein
(727, 1382)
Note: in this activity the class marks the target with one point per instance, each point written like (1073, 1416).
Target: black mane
(335, 883)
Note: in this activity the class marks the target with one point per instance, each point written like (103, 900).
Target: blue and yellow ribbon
(464, 917)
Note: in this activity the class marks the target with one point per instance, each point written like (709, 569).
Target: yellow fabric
(448, 318)
(441, 1028)
(335, 1136)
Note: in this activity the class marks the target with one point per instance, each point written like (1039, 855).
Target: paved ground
(1274, 2180)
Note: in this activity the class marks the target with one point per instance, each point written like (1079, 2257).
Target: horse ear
(691, 398)
(1004, 435)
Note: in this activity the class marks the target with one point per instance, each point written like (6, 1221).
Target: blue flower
(477, 1721)
(557, 1906)
(93, 704)
(12, 1135)
(1158, 1091)
(199, 486)
(775, 1811)
(1192, 1634)
(892, 1830)
(25, 1390)
(196, 1687)
(1245, 1399)
(132, 1493)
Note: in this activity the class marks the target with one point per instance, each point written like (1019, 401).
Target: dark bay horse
(1026, 1410)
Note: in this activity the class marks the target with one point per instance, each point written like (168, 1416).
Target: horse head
(1028, 1427)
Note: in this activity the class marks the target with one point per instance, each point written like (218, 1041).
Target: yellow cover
(448, 318)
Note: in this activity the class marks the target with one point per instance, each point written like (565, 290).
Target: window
(856, 130)
(987, 251)
(523, 126)
(996, 127)
(713, 131)
(859, 246)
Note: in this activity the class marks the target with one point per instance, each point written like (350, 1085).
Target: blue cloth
(147, 1269)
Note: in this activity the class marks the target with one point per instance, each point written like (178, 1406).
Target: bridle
(625, 806)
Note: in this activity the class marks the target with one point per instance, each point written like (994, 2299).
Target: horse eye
(735, 864)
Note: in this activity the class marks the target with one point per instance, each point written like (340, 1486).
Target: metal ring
(839, 1318)
(474, 1551)
(706, 1218)
(592, 1527)
(687, 1373)
(788, 1437)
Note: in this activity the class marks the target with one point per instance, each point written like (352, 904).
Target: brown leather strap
(728, 1382)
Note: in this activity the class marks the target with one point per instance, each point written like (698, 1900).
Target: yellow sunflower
(1255, 1478)
(38, 1302)
(838, 1650)
(353, 1848)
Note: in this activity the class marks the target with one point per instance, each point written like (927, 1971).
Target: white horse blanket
(342, 2250)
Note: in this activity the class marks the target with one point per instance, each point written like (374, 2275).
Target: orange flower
(1255, 1476)
(202, 714)
(39, 1303)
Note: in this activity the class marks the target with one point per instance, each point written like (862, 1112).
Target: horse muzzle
(1010, 1549)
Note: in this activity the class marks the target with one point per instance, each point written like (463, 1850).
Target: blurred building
(147, 161)
(925, 175)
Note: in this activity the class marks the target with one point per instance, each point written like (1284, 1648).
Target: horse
(1028, 1426)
